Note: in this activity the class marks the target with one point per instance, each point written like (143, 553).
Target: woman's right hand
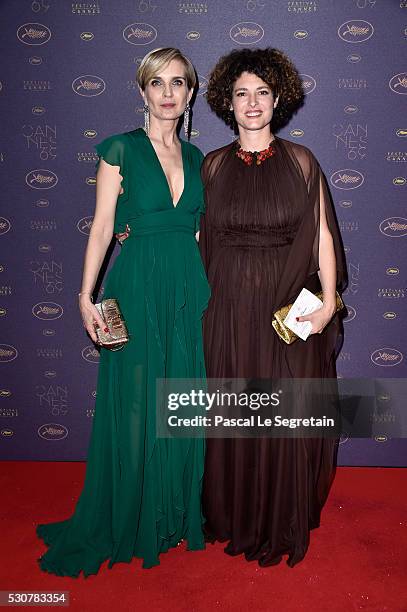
(90, 317)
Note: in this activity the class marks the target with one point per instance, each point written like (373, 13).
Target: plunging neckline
(162, 169)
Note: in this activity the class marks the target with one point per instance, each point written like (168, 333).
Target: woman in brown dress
(269, 231)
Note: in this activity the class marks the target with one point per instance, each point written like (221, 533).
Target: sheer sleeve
(318, 188)
(302, 264)
(112, 150)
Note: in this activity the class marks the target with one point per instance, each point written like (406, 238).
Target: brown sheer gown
(259, 241)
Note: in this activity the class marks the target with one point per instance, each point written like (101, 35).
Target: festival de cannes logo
(293, 6)
(354, 58)
(308, 83)
(90, 133)
(345, 204)
(187, 8)
(351, 314)
(393, 271)
(386, 357)
(35, 60)
(52, 431)
(398, 83)
(33, 34)
(350, 109)
(389, 315)
(48, 332)
(399, 181)
(88, 85)
(47, 311)
(50, 374)
(7, 432)
(300, 34)
(85, 8)
(139, 33)
(5, 226)
(89, 353)
(297, 133)
(7, 353)
(395, 227)
(383, 397)
(87, 36)
(392, 293)
(38, 110)
(42, 203)
(401, 133)
(41, 179)
(246, 33)
(84, 225)
(347, 179)
(355, 31)
(194, 35)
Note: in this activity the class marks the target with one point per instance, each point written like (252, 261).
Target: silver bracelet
(86, 293)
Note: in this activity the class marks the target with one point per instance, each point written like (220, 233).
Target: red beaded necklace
(249, 156)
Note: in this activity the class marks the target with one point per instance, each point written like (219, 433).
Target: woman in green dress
(142, 493)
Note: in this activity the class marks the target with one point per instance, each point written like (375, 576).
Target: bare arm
(107, 190)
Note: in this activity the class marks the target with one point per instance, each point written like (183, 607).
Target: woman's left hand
(319, 318)
(121, 237)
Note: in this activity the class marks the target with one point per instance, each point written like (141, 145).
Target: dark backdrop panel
(68, 81)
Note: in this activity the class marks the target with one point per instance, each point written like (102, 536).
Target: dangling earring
(146, 118)
(186, 120)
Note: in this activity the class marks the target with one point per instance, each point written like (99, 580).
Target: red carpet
(357, 559)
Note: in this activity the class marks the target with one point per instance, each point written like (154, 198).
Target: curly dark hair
(270, 65)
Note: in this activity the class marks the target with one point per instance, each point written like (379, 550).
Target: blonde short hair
(157, 60)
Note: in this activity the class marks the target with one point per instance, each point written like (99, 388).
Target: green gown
(142, 493)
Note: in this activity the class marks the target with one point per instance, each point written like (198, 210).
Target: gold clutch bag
(117, 336)
(283, 331)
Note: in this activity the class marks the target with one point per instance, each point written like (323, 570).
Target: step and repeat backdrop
(67, 81)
